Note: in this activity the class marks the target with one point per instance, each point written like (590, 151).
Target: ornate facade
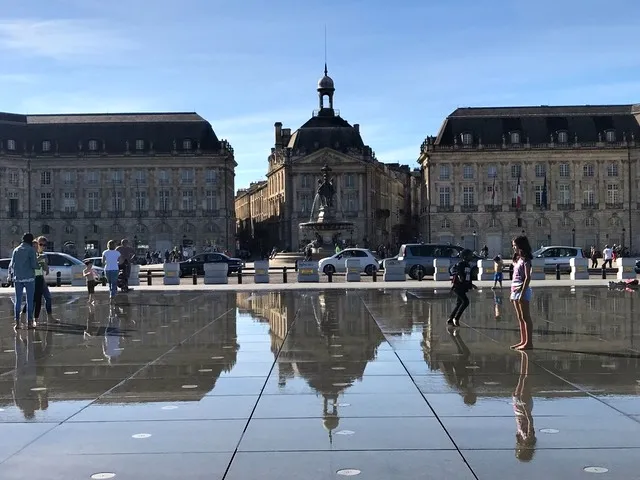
(163, 180)
(372, 195)
(577, 167)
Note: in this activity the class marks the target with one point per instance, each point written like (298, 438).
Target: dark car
(198, 261)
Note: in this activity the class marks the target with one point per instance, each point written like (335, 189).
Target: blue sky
(399, 67)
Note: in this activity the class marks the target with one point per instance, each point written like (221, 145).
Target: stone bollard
(394, 271)
(261, 274)
(58, 279)
(194, 276)
(441, 269)
(134, 276)
(171, 274)
(149, 278)
(77, 276)
(579, 268)
(486, 269)
(352, 266)
(626, 268)
(308, 272)
(537, 269)
(216, 273)
(284, 274)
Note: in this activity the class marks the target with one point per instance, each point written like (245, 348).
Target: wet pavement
(322, 385)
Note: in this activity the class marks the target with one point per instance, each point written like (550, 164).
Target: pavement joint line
(57, 424)
(436, 416)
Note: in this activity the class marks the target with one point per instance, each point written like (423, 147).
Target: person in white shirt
(607, 255)
(110, 260)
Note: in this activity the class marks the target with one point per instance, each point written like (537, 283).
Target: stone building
(577, 167)
(371, 194)
(161, 179)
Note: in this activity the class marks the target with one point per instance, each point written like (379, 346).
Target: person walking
(22, 268)
(110, 260)
(127, 256)
(594, 257)
(460, 284)
(607, 255)
(41, 288)
(521, 292)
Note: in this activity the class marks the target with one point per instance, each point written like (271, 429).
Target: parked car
(419, 256)
(558, 255)
(58, 262)
(4, 271)
(198, 261)
(97, 261)
(336, 263)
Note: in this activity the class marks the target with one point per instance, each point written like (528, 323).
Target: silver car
(558, 255)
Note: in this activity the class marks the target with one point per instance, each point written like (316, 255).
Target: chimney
(356, 127)
(286, 136)
(278, 126)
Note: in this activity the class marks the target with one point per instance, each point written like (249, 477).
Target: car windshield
(538, 252)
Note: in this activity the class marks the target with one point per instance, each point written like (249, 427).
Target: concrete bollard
(261, 274)
(284, 274)
(394, 271)
(537, 269)
(77, 276)
(308, 272)
(240, 275)
(59, 279)
(171, 274)
(194, 276)
(216, 273)
(579, 268)
(557, 271)
(134, 276)
(486, 269)
(441, 269)
(352, 266)
(626, 268)
(149, 278)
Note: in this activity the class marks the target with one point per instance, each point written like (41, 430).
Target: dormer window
(186, 144)
(563, 136)
(610, 135)
(139, 145)
(93, 145)
(467, 138)
(515, 138)
(11, 145)
(46, 146)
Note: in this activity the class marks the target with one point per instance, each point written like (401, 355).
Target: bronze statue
(326, 190)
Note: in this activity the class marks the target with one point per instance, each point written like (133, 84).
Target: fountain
(324, 226)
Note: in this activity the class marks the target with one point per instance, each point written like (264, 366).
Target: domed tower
(326, 89)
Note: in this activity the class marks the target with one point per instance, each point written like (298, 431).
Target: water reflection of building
(171, 318)
(328, 341)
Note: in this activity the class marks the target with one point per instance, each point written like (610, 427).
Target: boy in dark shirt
(460, 284)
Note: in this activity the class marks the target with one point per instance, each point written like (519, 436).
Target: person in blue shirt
(22, 268)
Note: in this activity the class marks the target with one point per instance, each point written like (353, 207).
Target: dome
(325, 82)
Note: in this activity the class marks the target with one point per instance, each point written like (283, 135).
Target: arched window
(467, 138)
(445, 224)
(588, 170)
(539, 222)
(610, 136)
(469, 223)
(515, 138)
(563, 136)
(566, 222)
(590, 222)
(46, 229)
(615, 222)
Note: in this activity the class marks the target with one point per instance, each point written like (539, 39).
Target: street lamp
(475, 247)
(624, 231)
(135, 242)
(573, 236)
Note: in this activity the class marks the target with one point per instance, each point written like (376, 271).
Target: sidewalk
(412, 284)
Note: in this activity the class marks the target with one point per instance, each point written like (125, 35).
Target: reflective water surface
(320, 385)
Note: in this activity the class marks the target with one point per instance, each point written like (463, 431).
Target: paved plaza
(269, 383)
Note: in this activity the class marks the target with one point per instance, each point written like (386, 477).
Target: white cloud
(63, 40)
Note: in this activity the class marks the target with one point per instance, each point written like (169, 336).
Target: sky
(399, 67)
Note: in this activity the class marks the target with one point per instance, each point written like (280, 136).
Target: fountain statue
(324, 226)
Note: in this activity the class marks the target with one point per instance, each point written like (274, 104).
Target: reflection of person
(25, 379)
(112, 334)
(523, 408)
(22, 268)
(521, 292)
(497, 305)
(457, 373)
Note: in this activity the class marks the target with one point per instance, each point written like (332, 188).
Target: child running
(460, 284)
(498, 264)
(92, 280)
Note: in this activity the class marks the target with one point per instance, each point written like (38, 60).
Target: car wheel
(413, 272)
(369, 269)
(329, 270)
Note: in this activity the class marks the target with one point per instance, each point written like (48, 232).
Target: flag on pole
(518, 195)
(493, 192)
(543, 200)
